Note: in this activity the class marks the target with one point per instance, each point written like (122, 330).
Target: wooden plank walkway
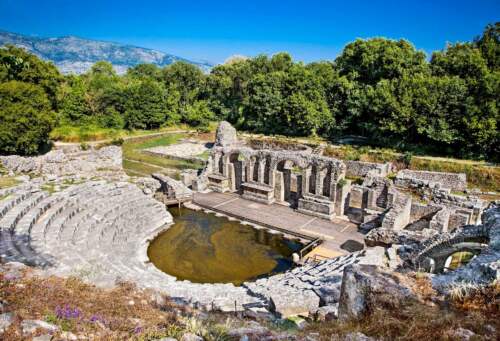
(284, 219)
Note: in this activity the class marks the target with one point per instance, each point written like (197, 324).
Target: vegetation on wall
(382, 89)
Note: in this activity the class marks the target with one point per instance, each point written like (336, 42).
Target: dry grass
(413, 320)
(7, 181)
(428, 316)
(118, 314)
(122, 313)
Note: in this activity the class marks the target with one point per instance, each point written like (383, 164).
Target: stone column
(262, 169)
(216, 158)
(320, 177)
(279, 184)
(232, 177)
(306, 173)
(249, 172)
(342, 195)
(225, 165)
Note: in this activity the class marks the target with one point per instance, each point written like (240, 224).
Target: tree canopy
(383, 89)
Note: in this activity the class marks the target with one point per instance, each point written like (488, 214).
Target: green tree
(19, 65)
(147, 105)
(26, 118)
(185, 78)
(142, 71)
(199, 115)
(489, 45)
(74, 107)
(369, 61)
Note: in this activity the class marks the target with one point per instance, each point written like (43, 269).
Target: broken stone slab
(357, 336)
(326, 313)
(294, 302)
(6, 320)
(366, 285)
(43, 337)
(31, 326)
(191, 337)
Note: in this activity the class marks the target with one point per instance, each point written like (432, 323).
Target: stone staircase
(100, 232)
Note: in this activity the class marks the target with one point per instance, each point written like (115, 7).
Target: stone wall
(412, 178)
(398, 215)
(67, 162)
(419, 211)
(361, 169)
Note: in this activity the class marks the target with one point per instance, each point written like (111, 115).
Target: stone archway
(236, 171)
(288, 179)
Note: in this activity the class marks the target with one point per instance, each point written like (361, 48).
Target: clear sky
(214, 30)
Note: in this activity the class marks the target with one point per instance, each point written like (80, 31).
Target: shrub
(26, 118)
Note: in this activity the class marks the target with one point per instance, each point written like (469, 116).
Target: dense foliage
(385, 90)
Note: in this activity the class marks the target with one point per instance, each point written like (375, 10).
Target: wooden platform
(340, 236)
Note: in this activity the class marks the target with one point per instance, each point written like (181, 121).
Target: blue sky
(214, 30)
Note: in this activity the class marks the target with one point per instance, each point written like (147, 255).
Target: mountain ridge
(73, 54)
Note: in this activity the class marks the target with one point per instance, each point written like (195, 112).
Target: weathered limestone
(269, 176)
(225, 135)
(398, 216)
(68, 161)
(292, 305)
(171, 189)
(361, 169)
(412, 178)
(363, 286)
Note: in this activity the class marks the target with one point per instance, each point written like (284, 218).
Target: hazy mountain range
(76, 55)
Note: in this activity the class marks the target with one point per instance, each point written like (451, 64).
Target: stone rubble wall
(172, 188)
(482, 269)
(66, 162)
(361, 169)
(398, 216)
(413, 178)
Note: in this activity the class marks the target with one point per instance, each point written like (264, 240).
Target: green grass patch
(8, 181)
(88, 133)
(138, 163)
(479, 174)
(164, 140)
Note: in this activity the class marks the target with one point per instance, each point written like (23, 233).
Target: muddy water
(203, 248)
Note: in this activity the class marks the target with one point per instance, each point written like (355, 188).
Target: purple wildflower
(67, 312)
(138, 330)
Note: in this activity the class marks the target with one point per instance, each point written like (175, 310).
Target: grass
(87, 133)
(479, 173)
(122, 313)
(8, 181)
(137, 163)
(422, 318)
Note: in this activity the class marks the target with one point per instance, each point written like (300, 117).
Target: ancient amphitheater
(80, 215)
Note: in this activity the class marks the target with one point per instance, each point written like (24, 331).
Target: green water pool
(204, 248)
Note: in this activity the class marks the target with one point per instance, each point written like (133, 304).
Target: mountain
(76, 55)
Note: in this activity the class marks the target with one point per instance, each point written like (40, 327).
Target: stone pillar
(342, 194)
(320, 177)
(249, 171)
(232, 177)
(306, 173)
(216, 158)
(225, 165)
(300, 181)
(244, 165)
(279, 187)
(262, 169)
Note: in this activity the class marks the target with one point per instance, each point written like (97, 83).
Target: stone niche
(258, 192)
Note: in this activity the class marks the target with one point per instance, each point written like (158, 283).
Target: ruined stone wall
(69, 161)
(398, 215)
(361, 169)
(419, 211)
(412, 178)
